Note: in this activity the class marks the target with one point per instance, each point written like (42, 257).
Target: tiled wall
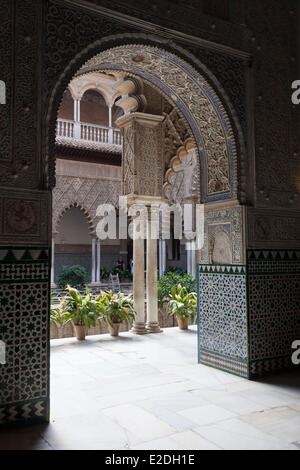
(24, 277)
(249, 316)
(223, 329)
(274, 309)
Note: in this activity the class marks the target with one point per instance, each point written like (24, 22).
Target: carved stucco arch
(89, 220)
(200, 78)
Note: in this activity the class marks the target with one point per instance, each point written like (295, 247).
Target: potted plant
(183, 305)
(81, 310)
(115, 309)
(58, 317)
(171, 279)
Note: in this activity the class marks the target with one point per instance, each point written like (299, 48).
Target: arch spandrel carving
(86, 193)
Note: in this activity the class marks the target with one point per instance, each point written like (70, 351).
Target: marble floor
(150, 393)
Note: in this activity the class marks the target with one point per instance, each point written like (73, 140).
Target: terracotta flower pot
(183, 323)
(80, 332)
(114, 330)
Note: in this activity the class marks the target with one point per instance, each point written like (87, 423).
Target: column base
(153, 328)
(139, 329)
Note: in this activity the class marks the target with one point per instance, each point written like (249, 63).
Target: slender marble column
(111, 131)
(77, 124)
(94, 261)
(152, 295)
(139, 326)
(53, 264)
(162, 257)
(191, 258)
(98, 268)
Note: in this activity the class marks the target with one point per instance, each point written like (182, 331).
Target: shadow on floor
(24, 437)
(288, 380)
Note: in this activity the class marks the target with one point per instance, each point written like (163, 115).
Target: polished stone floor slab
(150, 393)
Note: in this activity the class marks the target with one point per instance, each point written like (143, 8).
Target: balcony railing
(65, 129)
(88, 132)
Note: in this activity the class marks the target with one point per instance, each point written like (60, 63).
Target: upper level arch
(99, 82)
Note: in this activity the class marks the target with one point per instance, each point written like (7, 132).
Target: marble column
(53, 285)
(98, 262)
(139, 326)
(152, 294)
(162, 257)
(77, 117)
(111, 131)
(143, 179)
(94, 260)
(191, 258)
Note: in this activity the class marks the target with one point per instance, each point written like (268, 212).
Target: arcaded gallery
(149, 226)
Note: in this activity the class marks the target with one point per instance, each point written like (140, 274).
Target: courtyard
(135, 393)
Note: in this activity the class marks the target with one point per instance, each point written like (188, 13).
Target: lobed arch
(57, 219)
(193, 89)
(78, 87)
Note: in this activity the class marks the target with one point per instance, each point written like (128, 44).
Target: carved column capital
(143, 154)
(143, 119)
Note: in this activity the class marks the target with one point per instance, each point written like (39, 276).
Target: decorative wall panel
(24, 217)
(223, 326)
(273, 229)
(24, 319)
(274, 69)
(274, 309)
(228, 220)
(20, 157)
(249, 316)
(6, 74)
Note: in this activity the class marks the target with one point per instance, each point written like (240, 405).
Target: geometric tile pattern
(21, 265)
(249, 316)
(34, 410)
(215, 269)
(223, 325)
(24, 320)
(225, 363)
(274, 309)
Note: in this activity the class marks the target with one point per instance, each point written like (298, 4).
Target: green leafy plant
(82, 310)
(173, 279)
(115, 308)
(179, 271)
(74, 276)
(58, 316)
(183, 304)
